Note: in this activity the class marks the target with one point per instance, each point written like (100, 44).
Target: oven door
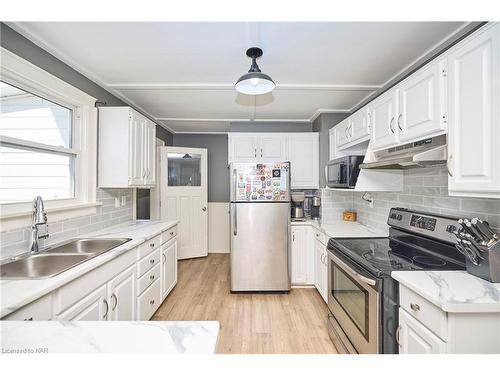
(353, 299)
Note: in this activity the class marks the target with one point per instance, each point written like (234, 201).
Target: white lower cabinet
(424, 328)
(122, 295)
(168, 268)
(415, 338)
(299, 259)
(149, 301)
(94, 306)
(129, 287)
(321, 269)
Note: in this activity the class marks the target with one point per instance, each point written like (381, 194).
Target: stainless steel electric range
(363, 298)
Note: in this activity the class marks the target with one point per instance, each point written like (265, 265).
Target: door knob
(204, 208)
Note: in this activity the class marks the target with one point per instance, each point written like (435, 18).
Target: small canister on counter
(349, 215)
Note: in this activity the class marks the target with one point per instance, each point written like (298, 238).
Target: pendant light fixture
(254, 82)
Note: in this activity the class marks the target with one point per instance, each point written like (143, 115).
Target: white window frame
(21, 73)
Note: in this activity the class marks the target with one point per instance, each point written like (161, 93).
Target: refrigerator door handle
(235, 185)
(235, 219)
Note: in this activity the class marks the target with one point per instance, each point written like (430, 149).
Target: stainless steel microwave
(343, 172)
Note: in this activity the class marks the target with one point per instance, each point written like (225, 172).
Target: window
(48, 144)
(35, 149)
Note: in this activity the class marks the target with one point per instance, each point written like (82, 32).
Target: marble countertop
(109, 337)
(453, 291)
(342, 228)
(17, 293)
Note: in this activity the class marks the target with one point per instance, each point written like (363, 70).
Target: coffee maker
(315, 208)
(298, 206)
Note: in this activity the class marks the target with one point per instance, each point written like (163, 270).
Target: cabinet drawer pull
(152, 277)
(414, 307)
(152, 302)
(390, 125)
(172, 233)
(152, 244)
(29, 319)
(450, 173)
(152, 261)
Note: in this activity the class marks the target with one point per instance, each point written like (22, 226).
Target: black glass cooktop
(383, 255)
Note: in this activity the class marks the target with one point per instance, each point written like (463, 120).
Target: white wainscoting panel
(218, 227)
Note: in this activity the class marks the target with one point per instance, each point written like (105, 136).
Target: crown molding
(230, 86)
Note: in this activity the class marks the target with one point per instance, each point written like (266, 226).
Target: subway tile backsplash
(425, 189)
(17, 241)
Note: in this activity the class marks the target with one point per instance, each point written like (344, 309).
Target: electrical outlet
(117, 202)
(124, 200)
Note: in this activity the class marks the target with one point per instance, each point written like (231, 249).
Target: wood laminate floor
(250, 323)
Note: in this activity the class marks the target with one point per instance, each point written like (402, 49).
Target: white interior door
(184, 197)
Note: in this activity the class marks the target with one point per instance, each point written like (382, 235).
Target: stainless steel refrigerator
(260, 227)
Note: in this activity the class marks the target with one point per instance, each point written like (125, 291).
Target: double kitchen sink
(57, 259)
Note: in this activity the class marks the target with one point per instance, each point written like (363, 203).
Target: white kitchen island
(196, 337)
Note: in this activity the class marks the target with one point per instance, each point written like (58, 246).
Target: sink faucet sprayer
(39, 218)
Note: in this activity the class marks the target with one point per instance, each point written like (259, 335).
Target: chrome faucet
(39, 218)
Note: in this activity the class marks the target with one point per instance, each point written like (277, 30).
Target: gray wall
(322, 125)
(21, 46)
(218, 172)
(270, 127)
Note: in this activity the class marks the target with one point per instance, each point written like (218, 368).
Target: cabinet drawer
(148, 246)
(148, 262)
(424, 311)
(148, 278)
(41, 309)
(149, 301)
(320, 236)
(168, 234)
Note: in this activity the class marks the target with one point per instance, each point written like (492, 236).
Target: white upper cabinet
(303, 154)
(243, 147)
(474, 121)
(422, 103)
(383, 115)
(342, 133)
(359, 128)
(272, 147)
(127, 148)
(301, 149)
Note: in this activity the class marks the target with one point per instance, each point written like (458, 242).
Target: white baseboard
(218, 227)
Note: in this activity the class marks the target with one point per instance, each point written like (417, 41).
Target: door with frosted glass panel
(184, 197)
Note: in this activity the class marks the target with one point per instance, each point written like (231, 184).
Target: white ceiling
(182, 74)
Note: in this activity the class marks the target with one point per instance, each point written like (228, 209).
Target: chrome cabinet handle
(203, 208)
(255, 153)
(151, 277)
(152, 261)
(107, 309)
(398, 331)
(152, 302)
(390, 125)
(172, 233)
(261, 153)
(116, 301)
(152, 244)
(399, 120)
(414, 307)
(164, 258)
(28, 319)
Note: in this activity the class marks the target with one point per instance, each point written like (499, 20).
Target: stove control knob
(451, 228)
